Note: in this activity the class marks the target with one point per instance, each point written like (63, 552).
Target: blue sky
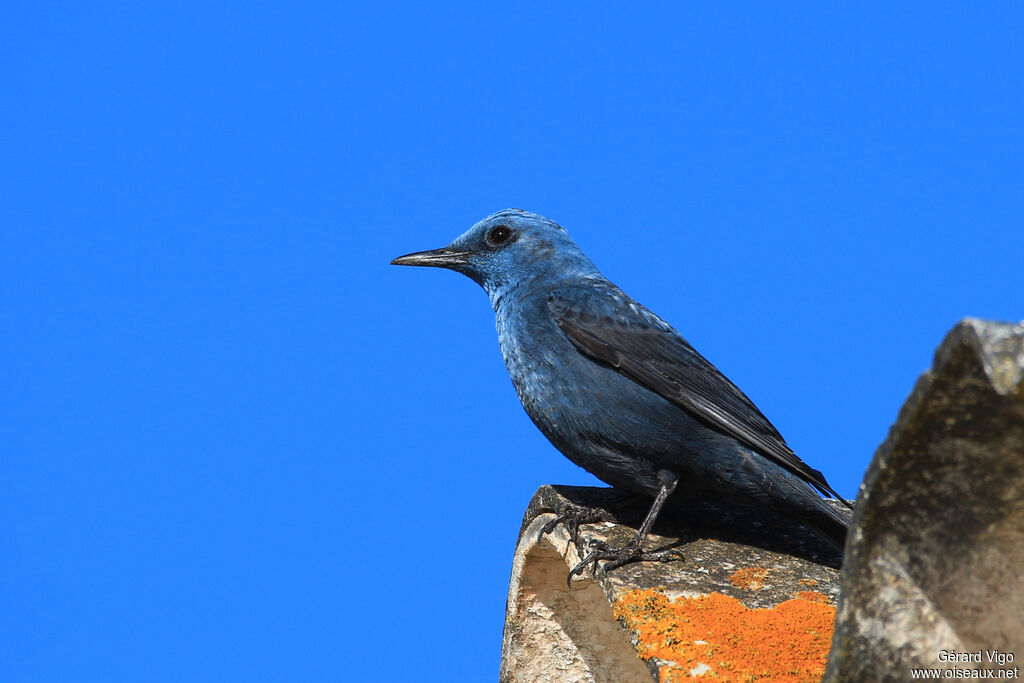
(237, 445)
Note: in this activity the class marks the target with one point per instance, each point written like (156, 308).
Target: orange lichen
(808, 582)
(813, 596)
(749, 578)
(716, 638)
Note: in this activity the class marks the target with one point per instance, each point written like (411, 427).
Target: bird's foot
(614, 558)
(574, 516)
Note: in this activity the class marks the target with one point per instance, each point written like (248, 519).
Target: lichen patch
(715, 637)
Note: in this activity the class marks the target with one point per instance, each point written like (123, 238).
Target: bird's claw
(574, 516)
(614, 558)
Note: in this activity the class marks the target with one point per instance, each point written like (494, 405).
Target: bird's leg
(616, 557)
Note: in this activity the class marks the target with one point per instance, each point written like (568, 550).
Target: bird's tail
(824, 520)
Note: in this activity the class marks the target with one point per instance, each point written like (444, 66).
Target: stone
(753, 589)
(935, 559)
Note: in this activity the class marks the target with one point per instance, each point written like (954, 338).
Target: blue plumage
(619, 391)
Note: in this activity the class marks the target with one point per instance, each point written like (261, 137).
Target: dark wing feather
(647, 350)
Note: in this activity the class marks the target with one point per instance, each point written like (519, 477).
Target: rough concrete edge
(529, 537)
(1000, 346)
(537, 515)
(542, 509)
(987, 340)
(984, 341)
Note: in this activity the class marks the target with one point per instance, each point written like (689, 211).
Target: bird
(619, 391)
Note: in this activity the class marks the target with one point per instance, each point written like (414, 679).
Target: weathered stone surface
(935, 560)
(743, 569)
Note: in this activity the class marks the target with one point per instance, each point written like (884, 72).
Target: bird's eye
(499, 234)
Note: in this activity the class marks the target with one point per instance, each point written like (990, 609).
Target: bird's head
(509, 249)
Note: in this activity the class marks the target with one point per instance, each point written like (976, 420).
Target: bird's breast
(573, 399)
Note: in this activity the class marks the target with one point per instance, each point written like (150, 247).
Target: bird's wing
(612, 328)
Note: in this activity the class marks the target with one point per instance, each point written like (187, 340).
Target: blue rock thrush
(618, 391)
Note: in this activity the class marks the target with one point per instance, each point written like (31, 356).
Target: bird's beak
(438, 258)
